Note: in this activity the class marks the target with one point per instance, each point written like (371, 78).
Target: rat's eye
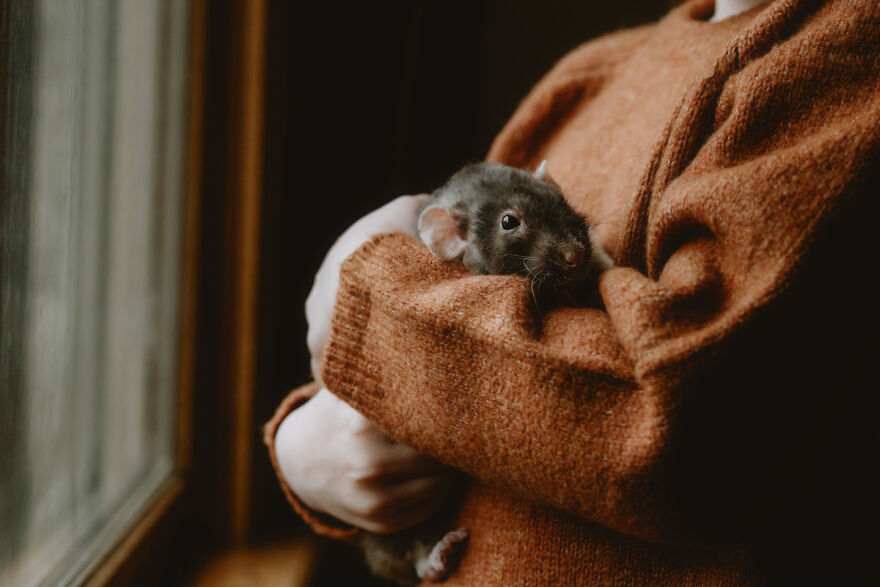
(509, 222)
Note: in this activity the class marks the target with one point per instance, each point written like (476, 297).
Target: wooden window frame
(145, 542)
(164, 539)
(142, 548)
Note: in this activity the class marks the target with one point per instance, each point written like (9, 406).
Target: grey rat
(497, 220)
(502, 220)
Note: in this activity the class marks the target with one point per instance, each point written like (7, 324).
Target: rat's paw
(444, 557)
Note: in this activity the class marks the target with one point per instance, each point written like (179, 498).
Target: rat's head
(518, 222)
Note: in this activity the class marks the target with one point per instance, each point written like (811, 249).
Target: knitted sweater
(710, 423)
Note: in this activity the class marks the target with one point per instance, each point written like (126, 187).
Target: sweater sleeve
(695, 393)
(590, 61)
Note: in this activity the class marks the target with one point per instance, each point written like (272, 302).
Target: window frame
(142, 554)
(183, 523)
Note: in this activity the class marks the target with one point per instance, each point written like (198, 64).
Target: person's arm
(279, 452)
(608, 414)
(341, 473)
(301, 436)
(338, 470)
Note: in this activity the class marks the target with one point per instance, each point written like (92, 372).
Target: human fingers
(398, 507)
(341, 464)
(394, 463)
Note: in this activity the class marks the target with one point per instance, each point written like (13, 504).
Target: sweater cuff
(321, 523)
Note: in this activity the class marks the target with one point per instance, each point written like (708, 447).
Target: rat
(503, 220)
(498, 220)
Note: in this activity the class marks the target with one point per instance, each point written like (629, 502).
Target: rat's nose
(574, 258)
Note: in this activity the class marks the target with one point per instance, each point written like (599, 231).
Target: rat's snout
(573, 258)
(573, 265)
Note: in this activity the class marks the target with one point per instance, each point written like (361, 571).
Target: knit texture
(713, 409)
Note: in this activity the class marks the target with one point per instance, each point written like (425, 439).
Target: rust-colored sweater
(713, 423)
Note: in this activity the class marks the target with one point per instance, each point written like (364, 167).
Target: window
(92, 154)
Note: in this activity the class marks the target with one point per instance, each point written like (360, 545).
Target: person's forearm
(460, 367)
(280, 451)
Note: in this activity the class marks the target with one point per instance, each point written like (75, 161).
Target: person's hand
(400, 214)
(339, 463)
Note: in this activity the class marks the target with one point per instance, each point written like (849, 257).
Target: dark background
(363, 103)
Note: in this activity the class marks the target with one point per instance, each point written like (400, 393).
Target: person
(713, 422)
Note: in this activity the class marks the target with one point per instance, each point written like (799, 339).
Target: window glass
(91, 158)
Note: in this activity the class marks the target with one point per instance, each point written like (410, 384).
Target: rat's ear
(543, 174)
(441, 229)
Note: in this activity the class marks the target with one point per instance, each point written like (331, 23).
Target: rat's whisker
(607, 219)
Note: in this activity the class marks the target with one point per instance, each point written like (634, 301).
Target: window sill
(282, 562)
